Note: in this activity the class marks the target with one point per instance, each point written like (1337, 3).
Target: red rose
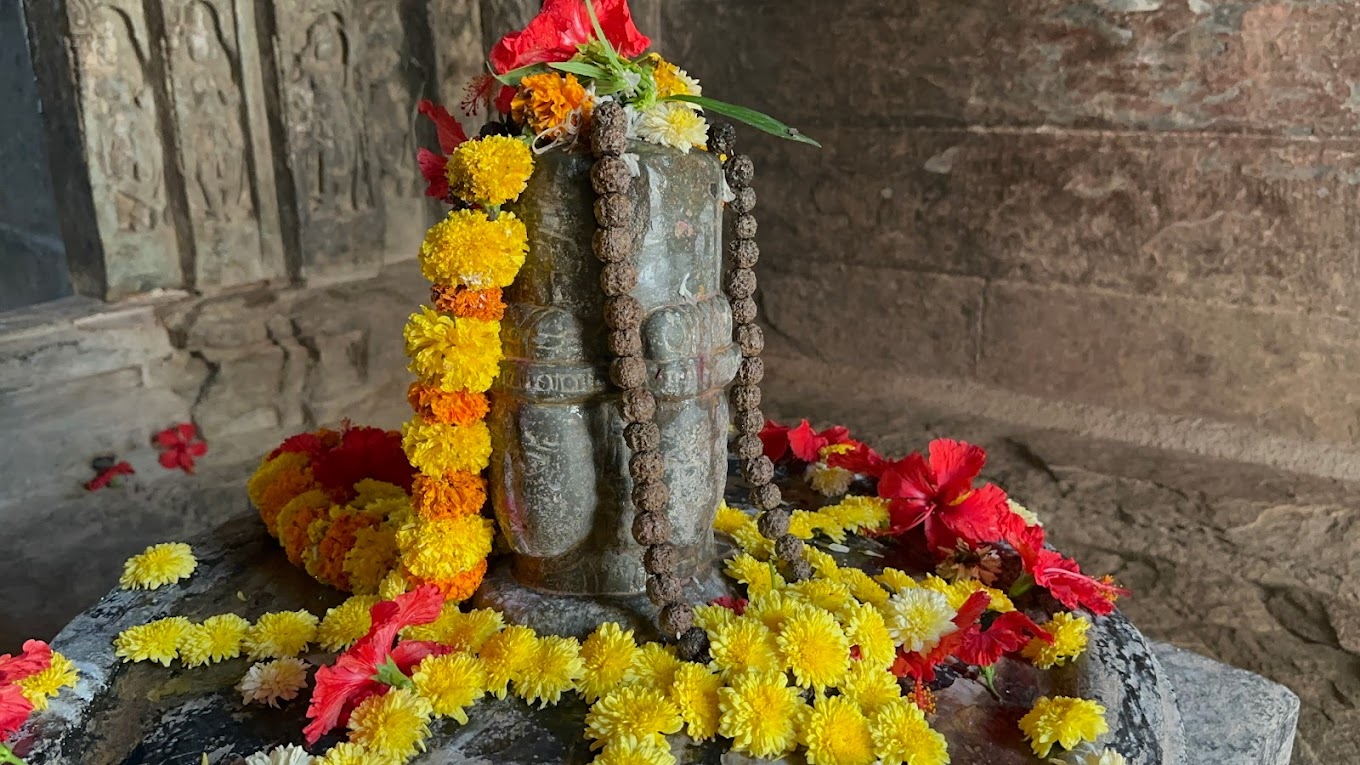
(561, 28)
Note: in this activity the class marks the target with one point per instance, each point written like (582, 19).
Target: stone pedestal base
(577, 616)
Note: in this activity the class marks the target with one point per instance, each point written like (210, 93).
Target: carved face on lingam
(609, 419)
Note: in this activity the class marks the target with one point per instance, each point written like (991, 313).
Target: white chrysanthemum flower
(282, 755)
(1026, 515)
(1089, 755)
(273, 681)
(829, 481)
(918, 618)
(673, 124)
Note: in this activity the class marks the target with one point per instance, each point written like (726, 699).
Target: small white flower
(1026, 515)
(282, 755)
(632, 161)
(673, 124)
(274, 681)
(728, 195)
(1089, 755)
(829, 481)
(917, 618)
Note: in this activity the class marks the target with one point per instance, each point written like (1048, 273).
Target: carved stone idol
(559, 477)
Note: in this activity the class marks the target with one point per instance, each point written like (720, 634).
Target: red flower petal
(451, 134)
(14, 710)
(561, 28)
(805, 443)
(169, 460)
(775, 437)
(35, 657)
(435, 170)
(955, 464)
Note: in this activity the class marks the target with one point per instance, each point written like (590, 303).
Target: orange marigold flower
(296, 518)
(485, 305)
(459, 588)
(276, 483)
(458, 493)
(336, 545)
(441, 407)
(545, 101)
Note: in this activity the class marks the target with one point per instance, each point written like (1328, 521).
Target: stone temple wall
(1136, 214)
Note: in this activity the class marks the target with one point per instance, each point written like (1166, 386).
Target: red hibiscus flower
(735, 605)
(804, 443)
(1007, 633)
(1063, 579)
(861, 459)
(14, 708)
(344, 685)
(107, 475)
(939, 493)
(362, 453)
(180, 446)
(434, 166)
(561, 28)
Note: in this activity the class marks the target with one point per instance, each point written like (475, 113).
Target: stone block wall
(1143, 206)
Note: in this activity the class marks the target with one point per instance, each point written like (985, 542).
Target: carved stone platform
(147, 714)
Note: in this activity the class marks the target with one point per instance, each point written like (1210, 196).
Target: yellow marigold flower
(491, 171)
(1062, 720)
(156, 641)
(451, 684)
(695, 693)
(371, 559)
(751, 542)
(352, 754)
(830, 482)
(856, 514)
(761, 713)
(218, 638)
(646, 715)
(837, 733)
(775, 609)
(456, 354)
(743, 645)
(729, 519)
(826, 594)
(656, 666)
(47, 684)
(468, 248)
(813, 645)
(346, 623)
(506, 656)
(896, 581)
(712, 617)
(434, 550)
(369, 491)
(917, 619)
(866, 628)
(870, 687)
(437, 449)
(903, 737)
(554, 669)
(159, 565)
(1069, 640)
(673, 124)
(759, 577)
(862, 586)
(958, 593)
(392, 585)
(671, 80)
(608, 654)
(632, 751)
(822, 562)
(278, 482)
(545, 101)
(280, 635)
(394, 724)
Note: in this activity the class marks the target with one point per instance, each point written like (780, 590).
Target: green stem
(10, 757)
(988, 674)
(1022, 586)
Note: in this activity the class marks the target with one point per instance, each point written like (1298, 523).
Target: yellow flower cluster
(218, 638)
(852, 515)
(455, 353)
(1069, 640)
(1064, 721)
(159, 565)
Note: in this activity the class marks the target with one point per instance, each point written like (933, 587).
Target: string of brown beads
(756, 468)
(623, 315)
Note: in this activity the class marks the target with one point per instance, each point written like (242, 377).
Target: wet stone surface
(147, 714)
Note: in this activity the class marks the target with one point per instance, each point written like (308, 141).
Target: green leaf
(513, 76)
(749, 116)
(599, 32)
(581, 68)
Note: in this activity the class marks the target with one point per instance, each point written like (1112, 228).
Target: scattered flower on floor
(271, 682)
(1063, 721)
(158, 566)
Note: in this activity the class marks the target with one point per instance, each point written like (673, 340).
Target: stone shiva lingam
(533, 563)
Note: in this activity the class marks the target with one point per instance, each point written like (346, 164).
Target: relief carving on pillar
(117, 70)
